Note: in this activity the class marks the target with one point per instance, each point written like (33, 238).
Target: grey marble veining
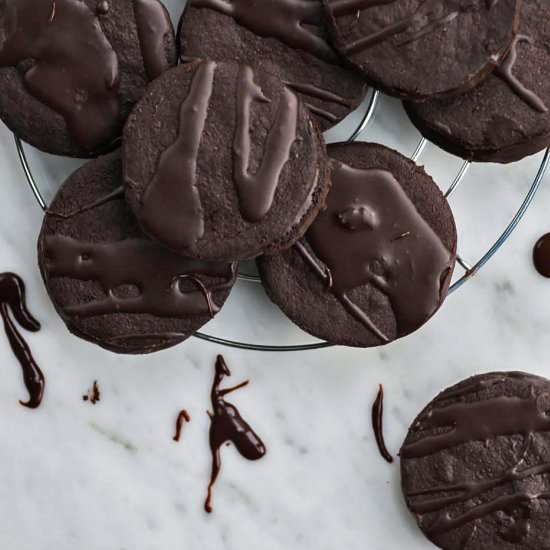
(110, 477)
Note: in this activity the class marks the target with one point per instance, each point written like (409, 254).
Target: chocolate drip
(541, 255)
(12, 298)
(385, 243)
(377, 414)
(153, 25)
(431, 26)
(183, 416)
(505, 71)
(74, 69)
(93, 395)
(227, 425)
(159, 281)
(297, 23)
(257, 191)
(171, 203)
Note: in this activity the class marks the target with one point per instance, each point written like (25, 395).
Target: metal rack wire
(469, 268)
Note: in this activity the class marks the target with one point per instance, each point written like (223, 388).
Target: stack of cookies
(208, 149)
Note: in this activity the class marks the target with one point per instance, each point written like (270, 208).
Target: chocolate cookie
(284, 37)
(507, 117)
(417, 49)
(110, 283)
(223, 162)
(476, 462)
(71, 70)
(376, 263)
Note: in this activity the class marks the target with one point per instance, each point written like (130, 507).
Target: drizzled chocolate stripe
(297, 23)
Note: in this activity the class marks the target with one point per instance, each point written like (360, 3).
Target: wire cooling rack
(469, 268)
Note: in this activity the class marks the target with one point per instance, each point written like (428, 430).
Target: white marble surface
(110, 477)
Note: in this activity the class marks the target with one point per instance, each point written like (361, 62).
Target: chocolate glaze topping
(371, 233)
(541, 255)
(172, 207)
(256, 191)
(12, 299)
(183, 416)
(377, 414)
(153, 24)
(171, 203)
(227, 425)
(505, 71)
(74, 69)
(114, 264)
(297, 23)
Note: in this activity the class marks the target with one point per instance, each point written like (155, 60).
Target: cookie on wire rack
(110, 283)
(223, 162)
(376, 263)
(71, 70)
(284, 37)
(418, 49)
(506, 117)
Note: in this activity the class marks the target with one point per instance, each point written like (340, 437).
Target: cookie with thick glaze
(418, 49)
(71, 70)
(284, 37)
(475, 464)
(110, 283)
(222, 162)
(506, 117)
(376, 263)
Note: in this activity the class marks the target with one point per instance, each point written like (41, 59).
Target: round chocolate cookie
(223, 162)
(284, 37)
(110, 283)
(418, 49)
(475, 466)
(376, 264)
(71, 70)
(506, 117)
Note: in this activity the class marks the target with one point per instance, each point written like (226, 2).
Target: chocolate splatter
(183, 416)
(227, 426)
(93, 395)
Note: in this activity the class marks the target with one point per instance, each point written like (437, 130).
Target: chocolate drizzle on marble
(172, 206)
(12, 304)
(257, 191)
(445, 426)
(297, 23)
(74, 69)
(182, 417)
(377, 415)
(228, 426)
(371, 233)
(505, 71)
